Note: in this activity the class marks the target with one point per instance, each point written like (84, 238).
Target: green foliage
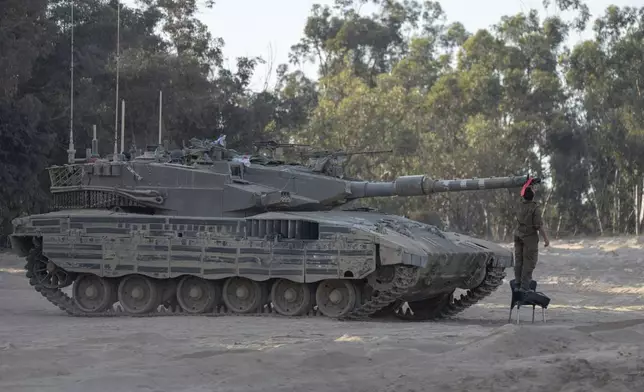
(492, 102)
(451, 103)
(163, 46)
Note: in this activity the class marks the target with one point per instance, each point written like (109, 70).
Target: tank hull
(308, 249)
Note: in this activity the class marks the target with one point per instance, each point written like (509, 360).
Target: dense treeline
(450, 102)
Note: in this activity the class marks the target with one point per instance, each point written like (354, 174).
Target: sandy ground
(592, 342)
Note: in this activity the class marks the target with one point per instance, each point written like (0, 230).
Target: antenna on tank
(94, 141)
(122, 126)
(116, 107)
(160, 112)
(71, 152)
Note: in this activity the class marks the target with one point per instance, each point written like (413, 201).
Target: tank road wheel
(93, 294)
(138, 294)
(291, 298)
(196, 295)
(242, 295)
(336, 298)
(48, 275)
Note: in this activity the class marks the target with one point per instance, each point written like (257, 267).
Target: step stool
(533, 299)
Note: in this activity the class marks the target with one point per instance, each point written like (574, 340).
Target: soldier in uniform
(526, 238)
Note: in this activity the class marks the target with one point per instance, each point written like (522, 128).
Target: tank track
(404, 278)
(448, 307)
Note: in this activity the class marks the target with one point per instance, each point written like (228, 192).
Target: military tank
(207, 231)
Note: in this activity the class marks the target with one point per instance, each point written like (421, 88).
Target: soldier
(526, 238)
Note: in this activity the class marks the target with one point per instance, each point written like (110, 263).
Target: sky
(268, 28)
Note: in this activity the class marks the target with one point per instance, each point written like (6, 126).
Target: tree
(24, 34)
(448, 102)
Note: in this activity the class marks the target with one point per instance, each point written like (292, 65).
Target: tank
(207, 231)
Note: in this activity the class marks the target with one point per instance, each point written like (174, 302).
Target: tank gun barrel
(420, 185)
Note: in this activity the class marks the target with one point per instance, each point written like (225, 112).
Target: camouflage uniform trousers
(526, 253)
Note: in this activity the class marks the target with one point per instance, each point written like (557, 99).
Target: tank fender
(397, 255)
(396, 248)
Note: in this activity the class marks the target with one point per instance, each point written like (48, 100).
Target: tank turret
(208, 179)
(207, 229)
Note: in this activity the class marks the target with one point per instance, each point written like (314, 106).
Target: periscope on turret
(207, 229)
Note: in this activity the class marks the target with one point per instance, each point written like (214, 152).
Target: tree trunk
(488, 229)
(641, 205)
(638, 198)
(594, 200)
(636, 210)
(619, 208)
(615, 212)
(545, 208)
